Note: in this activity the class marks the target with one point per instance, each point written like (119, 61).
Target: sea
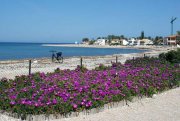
(17, 51)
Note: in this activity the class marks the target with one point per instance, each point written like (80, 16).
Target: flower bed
(64, 91)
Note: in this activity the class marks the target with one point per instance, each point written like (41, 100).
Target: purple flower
(36, 104)
(12, 102)
(129, 84)
(48, 103)
(89, 103)
(75, 106)
(82, 103)
(54, 101)
(13, 97)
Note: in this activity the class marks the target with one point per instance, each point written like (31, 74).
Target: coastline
(146, 108)
(11, 68)
(103, 46)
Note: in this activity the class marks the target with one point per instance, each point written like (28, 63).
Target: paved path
(163, 107)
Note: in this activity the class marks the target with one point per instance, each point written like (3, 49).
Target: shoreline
(149, 49)
(73, 45)
(11, 68)
(141, 47)
(103, 46)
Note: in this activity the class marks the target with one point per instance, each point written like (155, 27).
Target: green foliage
(85, 40)
(101, 67)
(111, 37)
(171, 56)
(142, 35)
(81, 68)
(115, 44)
(158, 40)
(178, 32)
(57, 70)
(91, 42)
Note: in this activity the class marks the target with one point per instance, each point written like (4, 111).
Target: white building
(119, 42)
(143, 42)
(100, 42)
(132, 41)
(125, 42)
(172, 40)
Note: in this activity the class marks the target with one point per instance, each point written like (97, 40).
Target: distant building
(100, 42)
(143, 42)
(132, 41)
(115, 42)
(124, 42)
(172, 40)
(146, 42)
(119, 42)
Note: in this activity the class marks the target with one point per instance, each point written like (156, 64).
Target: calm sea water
(11, 51)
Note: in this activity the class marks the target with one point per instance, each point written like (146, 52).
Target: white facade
(119, 42)
(132, 41)
(100, 42)
(144, 42)
(125, 42)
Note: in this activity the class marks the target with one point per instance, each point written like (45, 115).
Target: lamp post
(172, 21)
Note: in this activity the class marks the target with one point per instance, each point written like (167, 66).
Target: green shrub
(171, 56)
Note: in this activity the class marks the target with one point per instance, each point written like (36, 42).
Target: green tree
(178, 32)
(142, 35)
(85, 40)
(149, 37)
(110, 37)
(91, 42)
(158, 40)
(122, 37)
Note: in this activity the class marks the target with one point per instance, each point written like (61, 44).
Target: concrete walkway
(162, 107)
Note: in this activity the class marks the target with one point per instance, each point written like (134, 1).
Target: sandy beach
(162, 107)
(12, 68)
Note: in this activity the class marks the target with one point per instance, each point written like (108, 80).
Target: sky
(71, 20)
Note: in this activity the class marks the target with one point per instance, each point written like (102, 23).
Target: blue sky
(72, 20)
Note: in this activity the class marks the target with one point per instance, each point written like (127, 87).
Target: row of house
(170, 40)
(132, 41)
